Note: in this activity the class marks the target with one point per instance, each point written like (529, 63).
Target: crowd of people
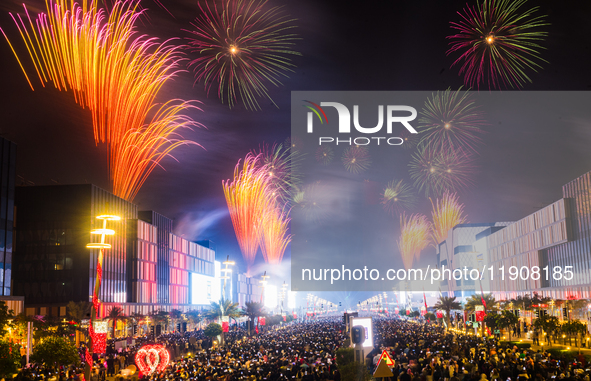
(303, 351)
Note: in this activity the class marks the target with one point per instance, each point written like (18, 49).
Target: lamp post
(94, 310)
(226, 275)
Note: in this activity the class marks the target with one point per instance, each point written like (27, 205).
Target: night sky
(371, 45)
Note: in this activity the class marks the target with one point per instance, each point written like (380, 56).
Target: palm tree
(116, 313)
(136, 318)
(476, 300)
(175, 316)
(253, 310)
(194, 317)
(447, 304)
(77, 312)
(160, 317)
(224, 308)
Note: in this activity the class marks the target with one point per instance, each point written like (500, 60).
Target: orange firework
(414, 237)
(117, 76)
(274, 237)
(247, 198)
(447, 213)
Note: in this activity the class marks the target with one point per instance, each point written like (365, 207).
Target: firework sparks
(398, 196)
(447, 213)
(294, 143)
(274, 236)
(117, 77)
(248, 199)
(282, 167)
(311, 201)
(410, 140)
(437, 171)
(242, 46)
(356, 159)
(451, 120)
(498, 43)
(324, 154)
(414, 237)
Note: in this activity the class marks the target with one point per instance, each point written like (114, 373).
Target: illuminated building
(147, 268)
(556, 238)
(7, 186)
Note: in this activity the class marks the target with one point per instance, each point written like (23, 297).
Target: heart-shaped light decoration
(152, 358)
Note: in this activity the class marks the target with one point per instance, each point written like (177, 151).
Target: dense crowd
(305, 351)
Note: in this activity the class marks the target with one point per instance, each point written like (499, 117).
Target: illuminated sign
(366, 323)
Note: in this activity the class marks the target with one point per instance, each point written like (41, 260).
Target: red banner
(225, 326)
(480, 315)
(262, 320)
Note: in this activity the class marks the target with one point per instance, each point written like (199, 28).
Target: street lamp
(103, 232)
(226, 275)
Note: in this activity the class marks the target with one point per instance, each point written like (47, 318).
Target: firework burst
(324, 154)
(117, 76)
(311, 201)
(498, 43)
(414, 237)
(248, 200)
(243, 45)
(282, 167)
(293, 143)
(356, 159)
(437, 171)
(398, 196)
(451, 120)
(274, 236)
(410, 141)
(447, 213)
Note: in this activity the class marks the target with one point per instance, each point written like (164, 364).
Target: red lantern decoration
(152, 358)
(439, 314)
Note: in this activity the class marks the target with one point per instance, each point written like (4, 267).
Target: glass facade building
(7, 179)
(147, 267)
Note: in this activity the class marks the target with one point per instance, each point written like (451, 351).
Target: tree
(5, 316)
(10, 359)
(175, 316)
(193, 316)
(349, 369)
(77, 312)
(213, 330)
(55, 351)
(116, 313)
(549, 324)
(254, 310)
(223, 308)
(447, 304)
(160, 317)
(507, 320)
(476, 300)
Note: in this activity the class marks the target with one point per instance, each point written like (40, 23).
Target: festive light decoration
(117, 76)
(242, 45)
(99, 336)
(451, 120)
(447, 213)
(152, 358)
(414, 237)
(498, 43)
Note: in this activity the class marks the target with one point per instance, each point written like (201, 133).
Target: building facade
(147, 268)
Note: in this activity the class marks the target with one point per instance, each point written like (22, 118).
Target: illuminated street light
(97, 284)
